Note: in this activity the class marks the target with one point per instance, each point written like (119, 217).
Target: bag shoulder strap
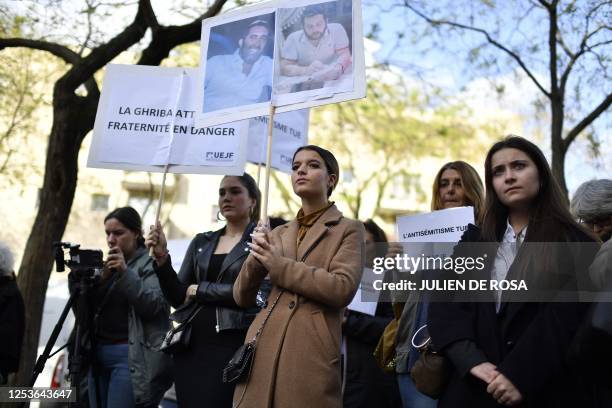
(188, 320)
(268, 316)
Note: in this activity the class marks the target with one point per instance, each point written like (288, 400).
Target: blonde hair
(472, 187)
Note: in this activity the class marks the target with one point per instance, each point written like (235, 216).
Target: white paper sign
(436, 226)
(269, 54)
(145, 120)
(423, 231)
(367, 286)
(290, 132)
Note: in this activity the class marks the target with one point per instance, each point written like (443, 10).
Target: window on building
(99, 202)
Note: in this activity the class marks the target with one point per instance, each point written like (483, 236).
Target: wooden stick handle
(159, 202)
(264, 214)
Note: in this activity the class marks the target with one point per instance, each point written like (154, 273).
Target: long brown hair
(472, 187)
(549, 216)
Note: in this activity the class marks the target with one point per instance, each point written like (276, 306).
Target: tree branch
(584, 48)
(605, 104)
(490, 39)
(103, 54)
(58, 50)
(166, 38)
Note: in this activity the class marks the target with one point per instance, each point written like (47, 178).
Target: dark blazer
(366, 385)
(194, 270)
(528, 341)
(12, 325)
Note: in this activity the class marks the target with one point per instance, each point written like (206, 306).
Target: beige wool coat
(297, 357)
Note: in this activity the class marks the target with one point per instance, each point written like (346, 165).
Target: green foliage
(388, 131)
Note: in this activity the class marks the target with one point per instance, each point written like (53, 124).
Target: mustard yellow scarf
(306, 221)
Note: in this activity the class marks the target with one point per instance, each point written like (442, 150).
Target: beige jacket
(297, 357)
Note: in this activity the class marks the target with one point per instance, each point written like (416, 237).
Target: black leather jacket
(194, 270)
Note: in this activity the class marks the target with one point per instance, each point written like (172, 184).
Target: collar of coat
(237, 252)
(288, 233)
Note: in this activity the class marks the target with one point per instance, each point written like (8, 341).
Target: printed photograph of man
(239, 76)
(318, 53)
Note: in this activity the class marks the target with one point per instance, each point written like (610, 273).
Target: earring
(219, 217)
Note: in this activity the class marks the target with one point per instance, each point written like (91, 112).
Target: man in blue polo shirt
(241, 78)
(320, 50)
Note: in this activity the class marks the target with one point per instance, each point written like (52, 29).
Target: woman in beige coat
(314, 263)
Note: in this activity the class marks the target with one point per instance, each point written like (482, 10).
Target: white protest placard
(437, 226)
(145, 120)
(423, 231)
(269, 54)
(290, 132)
(366, 291)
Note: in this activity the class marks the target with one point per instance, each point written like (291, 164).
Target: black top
(112, 323)
(206, 321)
(12, 325)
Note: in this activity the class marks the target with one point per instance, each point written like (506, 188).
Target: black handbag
(239, 367)
(177, 339)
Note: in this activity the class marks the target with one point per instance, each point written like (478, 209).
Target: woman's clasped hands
(499, 386)
(263, 246)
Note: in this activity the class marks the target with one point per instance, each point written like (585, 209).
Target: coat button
(132, 369)
(291, 304)
(510, 343)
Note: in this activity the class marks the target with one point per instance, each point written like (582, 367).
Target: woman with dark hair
(457, 184)
(131, 318)
(506, 352)
(207, 275)
(366, 385)
(314, 263)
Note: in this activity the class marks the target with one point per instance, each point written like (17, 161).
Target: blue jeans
(114, 380)
(411, 398)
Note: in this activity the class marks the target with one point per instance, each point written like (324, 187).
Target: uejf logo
(220, 156)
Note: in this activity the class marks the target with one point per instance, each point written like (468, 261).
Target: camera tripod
(83, 324)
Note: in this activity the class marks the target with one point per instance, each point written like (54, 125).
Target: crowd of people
(285, 290)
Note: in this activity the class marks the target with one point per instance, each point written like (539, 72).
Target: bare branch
(563, 45)
(166, 38)
(584, 47)
(58, 50)
(102, 55)
(490, 39)
(150, 17)
(605, 104)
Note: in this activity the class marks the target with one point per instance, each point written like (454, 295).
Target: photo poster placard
(290, 132)
(313, 55)
(146, 119)
(333, 70)
(236, 65)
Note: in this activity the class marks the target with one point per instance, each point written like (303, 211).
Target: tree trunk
(73, 117)
(557, 145)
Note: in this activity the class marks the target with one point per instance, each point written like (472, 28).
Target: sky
(448, 68)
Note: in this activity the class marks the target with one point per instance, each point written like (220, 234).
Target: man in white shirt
(319, 50)
(241, 78)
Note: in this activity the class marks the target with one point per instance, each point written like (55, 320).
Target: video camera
(79, 259)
